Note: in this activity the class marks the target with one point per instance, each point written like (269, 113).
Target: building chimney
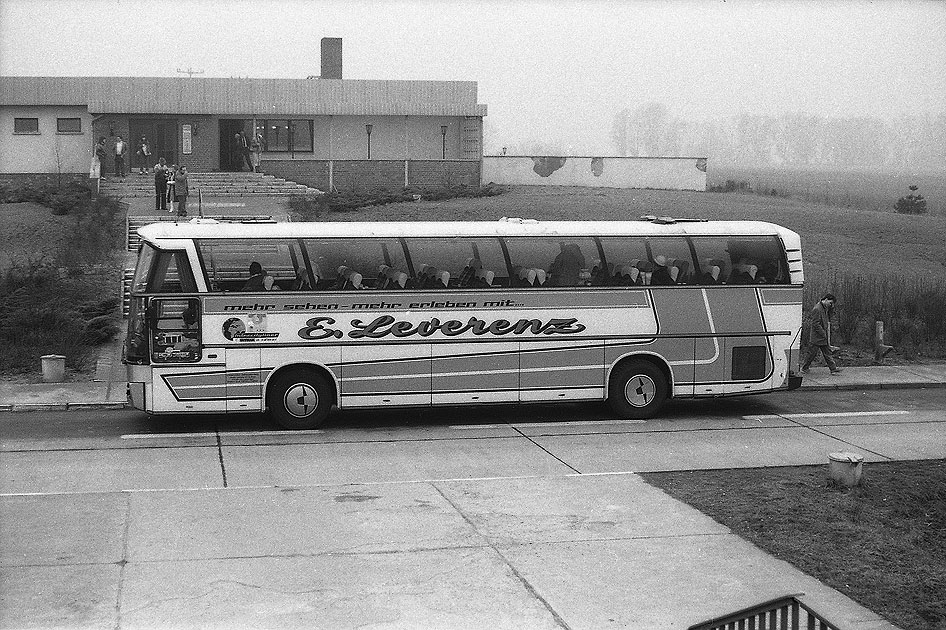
(331, 57)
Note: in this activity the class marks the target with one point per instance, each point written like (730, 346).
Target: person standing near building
(256, 147)
(180, 191)
(99, 159)
(241, 152)
(819, 338)
(160, 186)
(144, 153)
(120, 149)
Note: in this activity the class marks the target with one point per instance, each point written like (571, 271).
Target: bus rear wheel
(637, 390)
(299, 399)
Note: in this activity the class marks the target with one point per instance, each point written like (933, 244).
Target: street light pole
(368, 130)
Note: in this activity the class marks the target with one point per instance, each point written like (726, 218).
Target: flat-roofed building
(346, 133)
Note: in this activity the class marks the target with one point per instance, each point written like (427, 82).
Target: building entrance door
(230, 158)
(161, 135)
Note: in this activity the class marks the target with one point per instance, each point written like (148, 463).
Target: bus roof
(209, 229)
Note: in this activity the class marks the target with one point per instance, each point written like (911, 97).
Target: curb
(871, 386)
(73, 406)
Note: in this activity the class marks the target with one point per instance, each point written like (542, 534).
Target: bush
(731, 186)
(912, 203)
(44, 311)
(60, 199)
(912, 311)
(312, 208)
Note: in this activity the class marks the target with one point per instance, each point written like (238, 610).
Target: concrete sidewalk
(107, 389)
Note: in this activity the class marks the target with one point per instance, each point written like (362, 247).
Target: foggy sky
(548, 71)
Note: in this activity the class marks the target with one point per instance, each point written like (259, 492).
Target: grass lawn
(882, 544)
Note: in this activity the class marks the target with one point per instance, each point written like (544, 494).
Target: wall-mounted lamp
(368, 128)
(111, 128)
(194, 128)
(443, 136)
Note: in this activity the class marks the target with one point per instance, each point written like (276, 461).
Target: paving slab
(691, 450)
(669, 582)
(876, 376)
(76, 596)
(293, 521)
(448, 588)
(109, 470)
(906, 441)
(313, 464)
(62, 529)
(573, 508)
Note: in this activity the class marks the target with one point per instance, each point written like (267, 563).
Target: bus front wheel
(299, 399)
(637, 390)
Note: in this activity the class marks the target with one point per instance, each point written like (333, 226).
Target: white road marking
(572, 423)
(837, 414)
(158, 436)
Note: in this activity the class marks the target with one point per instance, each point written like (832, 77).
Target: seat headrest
(486, 276)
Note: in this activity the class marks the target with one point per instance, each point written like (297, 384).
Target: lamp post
(443, 136)
(368, 131)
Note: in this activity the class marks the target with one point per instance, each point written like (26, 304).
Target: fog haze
(555, 75)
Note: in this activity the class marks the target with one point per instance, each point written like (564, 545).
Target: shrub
(60, 199)
(912, 203)
(312, 208)
(911, 309)
(732, 186)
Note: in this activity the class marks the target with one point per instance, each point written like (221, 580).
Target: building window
(287, 135)
(26, 125)
(69, 125)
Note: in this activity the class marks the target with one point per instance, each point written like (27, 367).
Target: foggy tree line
(792, 139)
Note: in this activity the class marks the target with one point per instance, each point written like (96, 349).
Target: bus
(297, 318)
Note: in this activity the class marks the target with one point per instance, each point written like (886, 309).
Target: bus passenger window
(457, 263)
(552, 262)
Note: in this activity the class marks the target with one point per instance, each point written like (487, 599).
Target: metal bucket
(846, 468)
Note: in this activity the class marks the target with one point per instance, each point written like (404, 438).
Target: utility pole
(190, 72)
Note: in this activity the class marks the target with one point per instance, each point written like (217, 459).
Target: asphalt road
(519, 517)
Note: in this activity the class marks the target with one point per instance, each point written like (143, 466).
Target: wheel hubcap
(301, 400)
(640, 390)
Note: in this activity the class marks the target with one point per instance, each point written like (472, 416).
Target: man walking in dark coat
(819, 339)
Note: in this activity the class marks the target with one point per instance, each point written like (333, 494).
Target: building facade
(341, 133)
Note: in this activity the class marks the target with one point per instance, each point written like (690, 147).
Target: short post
(54, 368)
(846, 468)
(880, 349)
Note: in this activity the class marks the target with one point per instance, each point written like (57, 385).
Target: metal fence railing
(783, 613)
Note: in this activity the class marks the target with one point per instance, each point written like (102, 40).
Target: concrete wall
(37, 153)
(606, 172)
(370, 175)
(392, 138)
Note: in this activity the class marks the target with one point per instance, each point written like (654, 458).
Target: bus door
(185, 376)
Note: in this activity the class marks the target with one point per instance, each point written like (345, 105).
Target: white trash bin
(54, 368)
(846, 468)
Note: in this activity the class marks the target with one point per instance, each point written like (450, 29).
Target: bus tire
(637, 389)
(299, 399)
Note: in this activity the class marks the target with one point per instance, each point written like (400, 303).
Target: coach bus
(295, 318)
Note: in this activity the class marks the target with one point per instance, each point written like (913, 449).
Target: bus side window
(552, 262)
(172, 274)
(456, 263)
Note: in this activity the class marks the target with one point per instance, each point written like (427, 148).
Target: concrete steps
(208, 185)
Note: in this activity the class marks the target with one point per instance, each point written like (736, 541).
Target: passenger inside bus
(258, 279)
(661, 275)
(565, 270)
(743, 272)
